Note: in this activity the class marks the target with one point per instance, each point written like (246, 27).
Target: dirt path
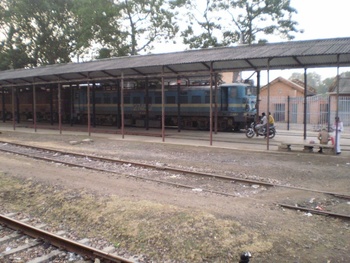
(177, 225)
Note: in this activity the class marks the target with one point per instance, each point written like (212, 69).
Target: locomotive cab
(237, 104)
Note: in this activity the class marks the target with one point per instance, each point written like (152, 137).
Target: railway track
(21, 242)
(101, 164)
(189, 179)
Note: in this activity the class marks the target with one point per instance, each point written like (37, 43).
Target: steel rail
(129, 175)
(221, 177)
(171, 169)
(313, 211)
(61, 242)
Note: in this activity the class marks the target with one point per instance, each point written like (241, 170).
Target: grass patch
(162, 232)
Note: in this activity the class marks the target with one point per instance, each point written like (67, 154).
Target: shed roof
(292, 54)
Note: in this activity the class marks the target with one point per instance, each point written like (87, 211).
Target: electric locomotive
(187, 106)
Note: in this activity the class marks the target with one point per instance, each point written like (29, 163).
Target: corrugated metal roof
(293, 54)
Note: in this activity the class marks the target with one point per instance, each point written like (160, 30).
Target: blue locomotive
(187, 106)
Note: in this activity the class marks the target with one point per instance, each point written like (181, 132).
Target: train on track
(187, 107)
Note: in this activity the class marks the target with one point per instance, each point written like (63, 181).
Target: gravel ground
(159, 223)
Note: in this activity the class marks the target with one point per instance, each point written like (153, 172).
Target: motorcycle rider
(271, 120)
(263, 123)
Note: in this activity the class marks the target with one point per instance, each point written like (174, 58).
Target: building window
(280, 111)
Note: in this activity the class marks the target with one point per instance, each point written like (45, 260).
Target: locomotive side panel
(232, 103)
(23, 106)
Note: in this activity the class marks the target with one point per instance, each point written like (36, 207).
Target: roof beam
(137, 71)
(9, 82)
(207, 66)
(41, 79)
(173, 71)
(250, 64)
(60, 77)
(129, 77)
(26, 81)
(81, 74)
(108, 74)
(297, 60)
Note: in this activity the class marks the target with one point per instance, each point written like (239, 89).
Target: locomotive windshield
(251, 90)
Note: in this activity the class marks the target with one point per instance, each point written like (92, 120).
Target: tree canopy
(314, 80)
(40, 32)
(223, 23)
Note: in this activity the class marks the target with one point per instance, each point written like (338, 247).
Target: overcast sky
(319, 19)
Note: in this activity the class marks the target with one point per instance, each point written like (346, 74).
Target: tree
(14, 56)
(44, 32)
(98, 27)
(254, 19)
(330, 83)
(40, 29)
(48, 27)
(207, 23)
(13, 52)
(147, 21)
(225, 22)
(313, 80)
(326, 84)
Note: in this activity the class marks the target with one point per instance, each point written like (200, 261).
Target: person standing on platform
(338, 128)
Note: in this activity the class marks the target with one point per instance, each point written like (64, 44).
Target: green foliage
(97, 23)
(238, 21)
(104, 53)
(146, 22)
(39, 32)
(208, 25)
(14, 56)
(252, 19)
(314, 80)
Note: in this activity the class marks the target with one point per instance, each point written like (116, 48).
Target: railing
(321, 111)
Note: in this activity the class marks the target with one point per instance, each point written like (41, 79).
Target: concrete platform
(228, 140)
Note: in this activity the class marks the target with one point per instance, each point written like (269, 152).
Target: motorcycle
(251, 131)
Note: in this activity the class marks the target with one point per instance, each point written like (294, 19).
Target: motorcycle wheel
(249, 133)
(272, 134)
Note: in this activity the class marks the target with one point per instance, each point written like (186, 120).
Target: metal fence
(320, 111)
